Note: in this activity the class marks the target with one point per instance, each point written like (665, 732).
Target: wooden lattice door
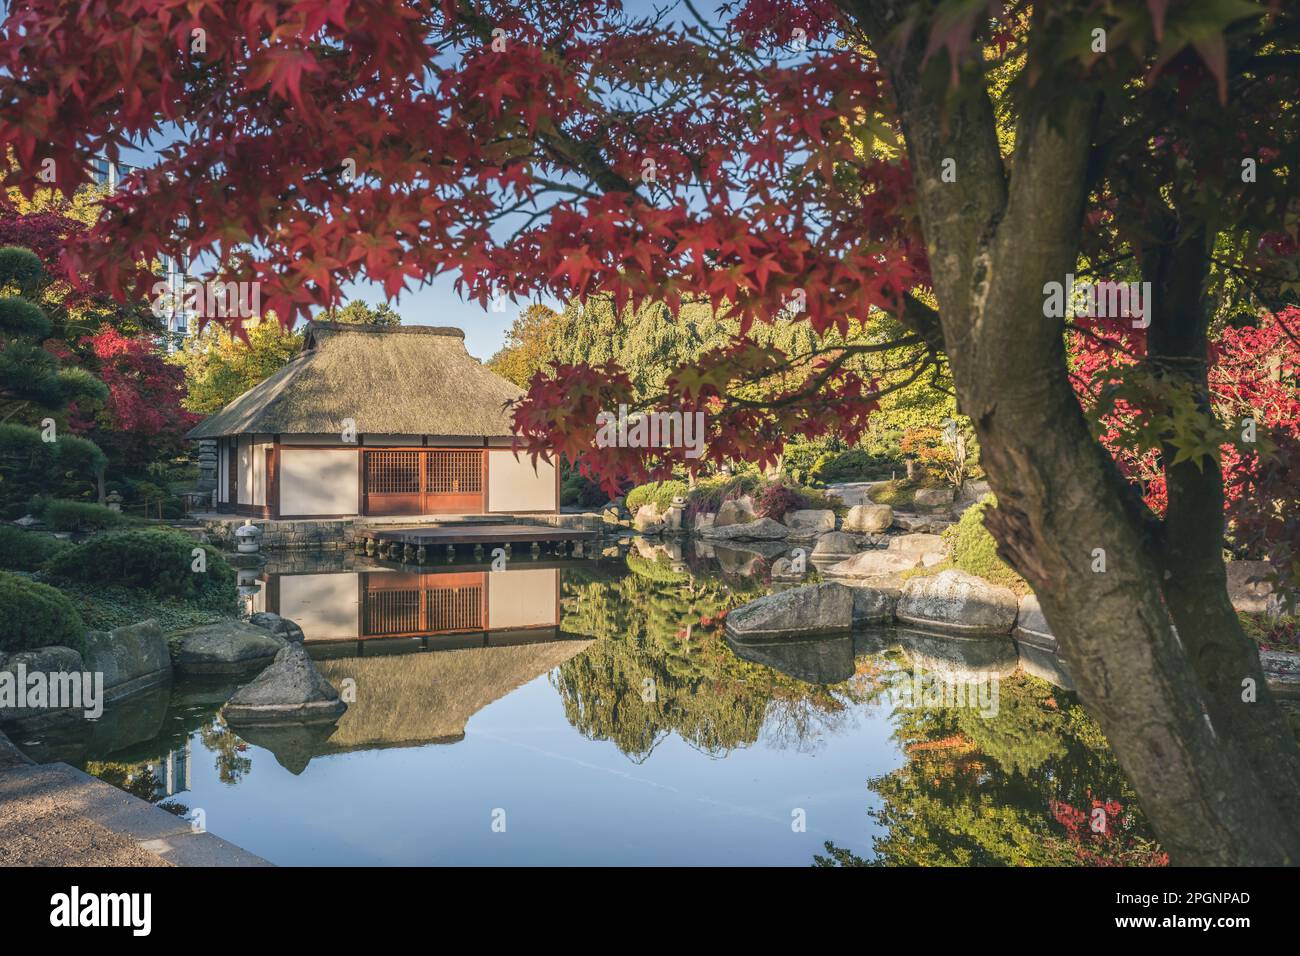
(424, 481)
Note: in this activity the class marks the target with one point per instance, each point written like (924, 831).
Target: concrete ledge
(62, 804)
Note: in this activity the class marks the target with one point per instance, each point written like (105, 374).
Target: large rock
(1031, 626)
(872, 605)
(817, 659)
(52, 659)
(131, 658)
(955, 600)
(764, 529)
(933, 497)
(1249, 586)
(811, 609)
(229, 647)
(908, 522)
(835, 546)
(735, 511)
(783, 570)
(1282, 671)
(279, 626)
(918, 545)
(868, 519)
(290, 690)
(648, 520)
(810, 521)
(871, 564)
(704, 519)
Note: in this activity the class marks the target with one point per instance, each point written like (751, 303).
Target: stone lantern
(114, 500)
(248, 538)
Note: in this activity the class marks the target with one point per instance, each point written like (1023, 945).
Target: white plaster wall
(325, 606)
(251, 480)
(514, 486)
(318, 481)
(523, 598)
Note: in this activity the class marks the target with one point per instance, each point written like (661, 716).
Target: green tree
(527, 349)
(362, 313)
(220, 367)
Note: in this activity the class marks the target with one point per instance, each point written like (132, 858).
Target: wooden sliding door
(424, 481)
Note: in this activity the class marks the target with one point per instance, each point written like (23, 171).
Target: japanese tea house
(372, 420)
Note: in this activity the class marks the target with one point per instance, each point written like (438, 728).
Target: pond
(592, 711)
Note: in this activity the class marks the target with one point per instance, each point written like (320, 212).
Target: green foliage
(658, 493)
(361, 313)
(21, 317)
(23, 268)
(79, 516)
(31, 466)
(106, 606)
(37, 615)
(219, 367)
(79, 455)
(974, 551)
(855, 464)
(154, 560)
(26, 550)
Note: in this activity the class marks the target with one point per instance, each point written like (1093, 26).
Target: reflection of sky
(568, 800)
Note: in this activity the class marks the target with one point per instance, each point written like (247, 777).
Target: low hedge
(26, 550)
(37, 615)
(79, 516)
(154, 560)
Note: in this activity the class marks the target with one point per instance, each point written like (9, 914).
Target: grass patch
(1280, 634)
(901, 492)
(975, 552)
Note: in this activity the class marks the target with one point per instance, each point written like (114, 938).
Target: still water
(593, 712)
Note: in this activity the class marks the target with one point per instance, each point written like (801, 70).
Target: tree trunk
(1066, 520)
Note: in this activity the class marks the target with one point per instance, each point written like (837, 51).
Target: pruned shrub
(26, 550)
(154, 560)
(37, 615)
(775, 499)
(657, 493)
(79, 516)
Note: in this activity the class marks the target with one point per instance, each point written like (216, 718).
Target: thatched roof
(409, 700)
(398, 380)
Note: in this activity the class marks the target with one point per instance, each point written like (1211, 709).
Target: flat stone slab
(811, 609)
(764, 529)
(56, 815)
(1282, 671)
(230, 647)
(872, 564)
(956, 601)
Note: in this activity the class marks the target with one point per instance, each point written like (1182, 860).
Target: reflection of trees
(231, 761)
(981, 791)
(664, 632)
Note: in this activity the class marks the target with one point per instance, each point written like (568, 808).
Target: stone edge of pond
(166, 836)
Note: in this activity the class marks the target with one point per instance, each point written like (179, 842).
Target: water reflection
(603, 697)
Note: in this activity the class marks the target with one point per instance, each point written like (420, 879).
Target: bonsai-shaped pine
(33, 386)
